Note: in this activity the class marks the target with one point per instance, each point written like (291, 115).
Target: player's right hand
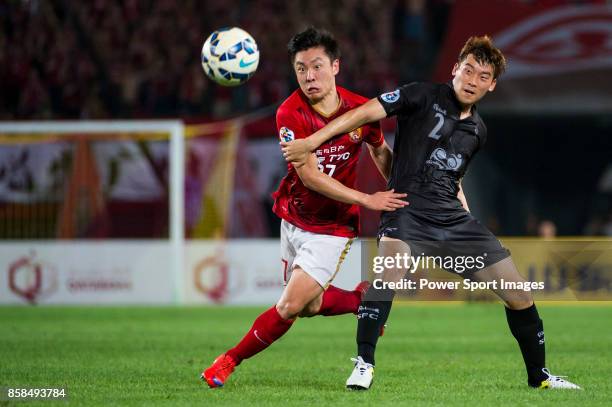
(385, 201)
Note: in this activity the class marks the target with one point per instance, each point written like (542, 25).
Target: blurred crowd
(141, 58)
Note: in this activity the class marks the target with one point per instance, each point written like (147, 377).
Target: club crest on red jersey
(355, 135)
(286, 134)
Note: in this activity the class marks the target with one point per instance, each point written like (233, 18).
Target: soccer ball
(230, 56)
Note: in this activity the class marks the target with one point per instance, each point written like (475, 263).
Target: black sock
(372, 315)
(528, 330)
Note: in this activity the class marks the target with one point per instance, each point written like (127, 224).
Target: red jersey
(338, 157)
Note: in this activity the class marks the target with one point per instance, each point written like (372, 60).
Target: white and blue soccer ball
(230, 56)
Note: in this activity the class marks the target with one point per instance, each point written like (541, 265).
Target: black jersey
(432, 151)
(433, 147)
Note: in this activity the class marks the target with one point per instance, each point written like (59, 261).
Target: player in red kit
(316, 201)
(294, 201)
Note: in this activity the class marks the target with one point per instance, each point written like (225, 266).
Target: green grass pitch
(440, 354)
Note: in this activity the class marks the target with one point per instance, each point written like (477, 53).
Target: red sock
(337, 301)
(267, 328)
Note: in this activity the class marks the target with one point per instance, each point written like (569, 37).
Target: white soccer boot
(362, 376)
(556, 382)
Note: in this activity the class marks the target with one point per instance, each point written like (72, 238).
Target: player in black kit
(438, 133)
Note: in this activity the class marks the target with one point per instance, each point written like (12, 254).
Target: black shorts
(449, 233)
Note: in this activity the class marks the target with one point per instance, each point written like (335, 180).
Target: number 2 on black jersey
(434, 132)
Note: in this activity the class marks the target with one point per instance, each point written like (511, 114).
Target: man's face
(315, 73)
(472, 80)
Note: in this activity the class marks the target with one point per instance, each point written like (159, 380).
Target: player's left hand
(296, 151)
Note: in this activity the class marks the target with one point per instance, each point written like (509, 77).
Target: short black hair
(313, 37)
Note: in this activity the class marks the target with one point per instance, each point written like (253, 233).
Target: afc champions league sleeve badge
(391, 97)
(286, 134)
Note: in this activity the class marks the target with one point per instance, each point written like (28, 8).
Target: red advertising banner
(559, 53)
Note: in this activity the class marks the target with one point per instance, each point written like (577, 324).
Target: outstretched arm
(297, 150)
(314, 179)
